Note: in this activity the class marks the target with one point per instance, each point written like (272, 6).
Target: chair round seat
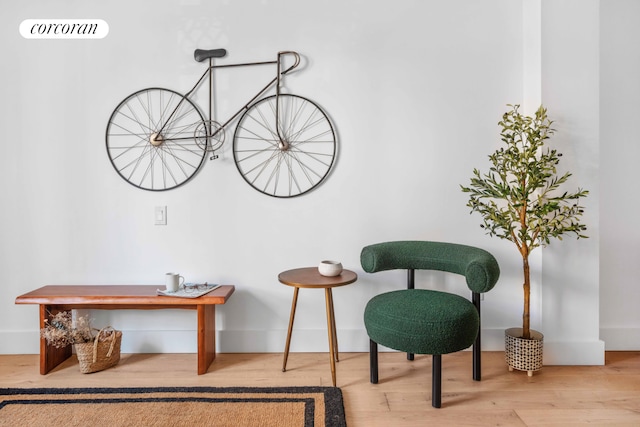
(422, 321)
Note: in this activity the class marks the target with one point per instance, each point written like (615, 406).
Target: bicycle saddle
(201, 54)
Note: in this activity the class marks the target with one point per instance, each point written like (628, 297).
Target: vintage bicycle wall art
(284, 145)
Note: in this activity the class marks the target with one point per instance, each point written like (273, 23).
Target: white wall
(570, 78)
(619, 112)
(415, 88)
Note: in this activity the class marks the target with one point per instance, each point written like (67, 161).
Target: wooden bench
(53, 299)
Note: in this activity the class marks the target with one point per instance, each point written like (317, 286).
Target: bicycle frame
(209, 72)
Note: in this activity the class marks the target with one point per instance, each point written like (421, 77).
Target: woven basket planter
(102, 353)
(523, 354)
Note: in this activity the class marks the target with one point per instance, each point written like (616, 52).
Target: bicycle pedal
(214, 157)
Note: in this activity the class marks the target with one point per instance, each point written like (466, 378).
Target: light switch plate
(161, 215)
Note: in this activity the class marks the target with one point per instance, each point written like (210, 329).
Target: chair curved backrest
(479, 267)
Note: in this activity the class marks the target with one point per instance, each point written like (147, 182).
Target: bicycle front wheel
(294, 164)
(152, 139)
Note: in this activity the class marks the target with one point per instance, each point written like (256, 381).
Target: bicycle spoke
(147, 169)
(274, 172)
(264, 124)
(182, 164)
(305, 168)
(260, 167)
(138, 162)
(292, 176)
(126, 149)
(167, 170)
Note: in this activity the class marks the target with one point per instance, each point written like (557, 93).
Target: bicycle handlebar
(295, 64)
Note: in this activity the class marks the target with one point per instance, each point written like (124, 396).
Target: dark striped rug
(172, 406)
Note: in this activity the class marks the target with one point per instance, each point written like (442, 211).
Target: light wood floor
(557, 395)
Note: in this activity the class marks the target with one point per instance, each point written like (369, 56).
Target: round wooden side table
(309, 277)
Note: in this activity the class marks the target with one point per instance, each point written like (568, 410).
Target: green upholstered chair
(421, 321)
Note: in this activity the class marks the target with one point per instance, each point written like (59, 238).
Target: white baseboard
(132, 342)
(316, 340)
(585, 353)
(185, 341)
(621, 339)
(19, 342)
(227, 341)
(555, 353)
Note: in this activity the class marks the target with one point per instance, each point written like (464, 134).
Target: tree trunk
(526, 331)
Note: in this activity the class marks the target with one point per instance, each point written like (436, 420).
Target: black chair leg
(411, 284)
(436, 381)
(373, 361)
(477, 348)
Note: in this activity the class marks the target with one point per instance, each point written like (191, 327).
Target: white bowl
(330, 268)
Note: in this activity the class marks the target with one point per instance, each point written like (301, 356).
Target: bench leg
(436, 381)
(373, 361)
(206, 336)
(50, 356)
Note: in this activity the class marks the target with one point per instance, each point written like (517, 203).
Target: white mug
(173, 282)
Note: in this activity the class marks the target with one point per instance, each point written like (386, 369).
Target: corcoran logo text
(64, 29)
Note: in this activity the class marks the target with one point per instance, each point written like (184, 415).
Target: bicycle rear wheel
(147, 157)
(291, 167)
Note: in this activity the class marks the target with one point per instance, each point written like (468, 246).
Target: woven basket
(102, 353)
(523, 354)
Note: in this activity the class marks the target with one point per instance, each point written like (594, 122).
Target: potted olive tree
(520, 200)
